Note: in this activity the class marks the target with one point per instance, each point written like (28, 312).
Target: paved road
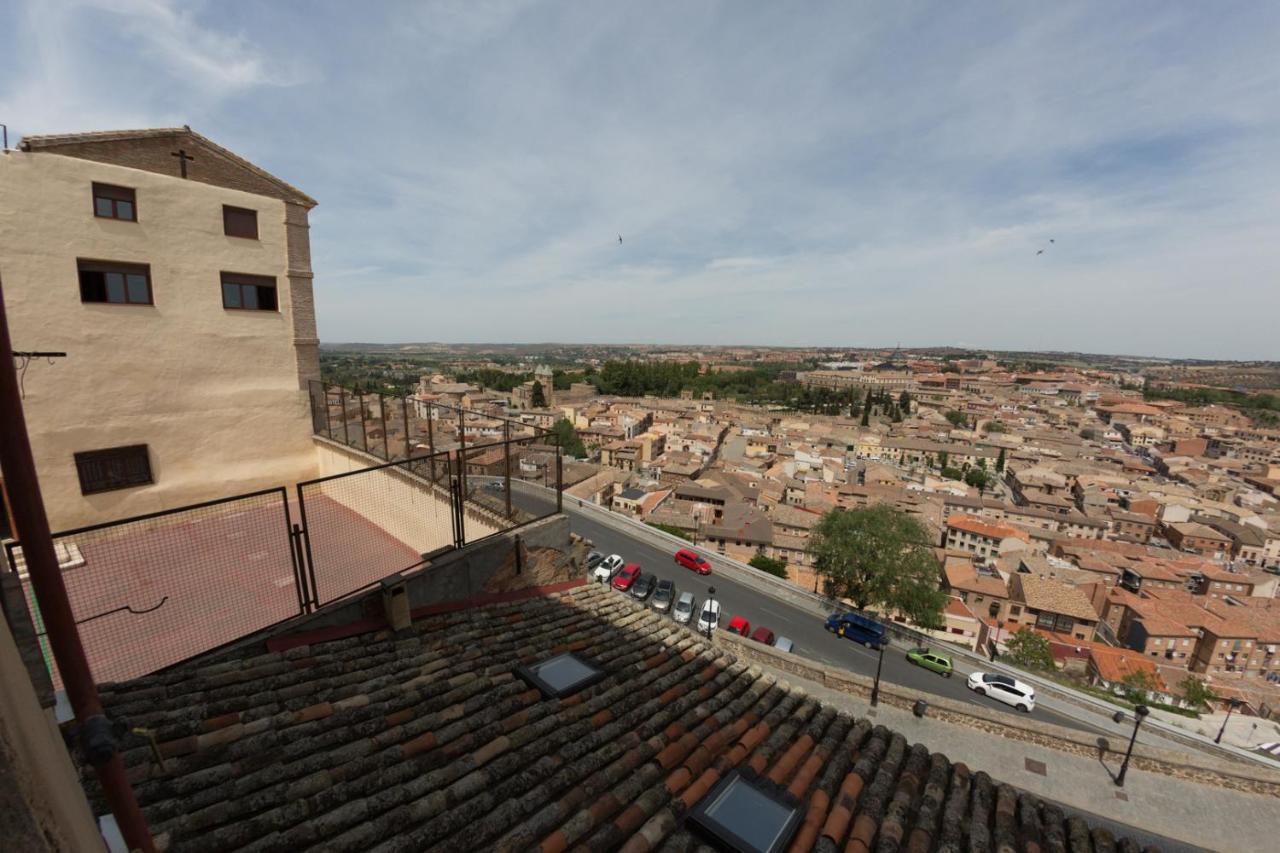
(811, 638)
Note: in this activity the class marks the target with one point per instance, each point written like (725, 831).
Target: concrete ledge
(1207, 771)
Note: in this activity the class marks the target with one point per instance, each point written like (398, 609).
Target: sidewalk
(1199, 816)
(1242, 731)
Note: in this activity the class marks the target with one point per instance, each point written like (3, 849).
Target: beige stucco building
(176, 277)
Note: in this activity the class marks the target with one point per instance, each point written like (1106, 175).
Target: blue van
(858, 628)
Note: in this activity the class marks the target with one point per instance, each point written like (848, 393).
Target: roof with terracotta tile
(430, 740)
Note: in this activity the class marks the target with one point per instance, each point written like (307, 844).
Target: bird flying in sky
(619, 239)
(1040, 252)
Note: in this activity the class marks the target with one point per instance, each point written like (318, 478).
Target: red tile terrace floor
(222, 572)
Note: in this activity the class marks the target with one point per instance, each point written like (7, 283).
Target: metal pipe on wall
(31, 528)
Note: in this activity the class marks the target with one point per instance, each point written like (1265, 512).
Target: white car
(1008, 690)
(607, 568)
(682, 611)
(709, 619)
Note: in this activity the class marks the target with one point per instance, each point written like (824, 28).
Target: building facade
(176, 277)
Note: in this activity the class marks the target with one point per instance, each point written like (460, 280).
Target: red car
(740, 626)
(626, 576)
(693, 560)
(763, 635)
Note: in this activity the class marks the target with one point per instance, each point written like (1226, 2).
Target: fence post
(305, 543)
(431, 441)
(328, 415)
(364, 428)
(342, 401)
(459, 514)
(382, 415)
(506, 462)
(462, 452)
(404, 410)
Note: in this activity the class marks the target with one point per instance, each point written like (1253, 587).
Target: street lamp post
(711, 592)
(875, 688)
(1232, 704)
(1139, 714)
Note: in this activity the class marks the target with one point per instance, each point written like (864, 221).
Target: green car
(940, 664)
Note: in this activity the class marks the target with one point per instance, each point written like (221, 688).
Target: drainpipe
(31, 528)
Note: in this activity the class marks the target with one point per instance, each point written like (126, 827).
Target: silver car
(663, 596)
(682, 610)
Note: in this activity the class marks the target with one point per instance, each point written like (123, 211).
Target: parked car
(664, 594)
(643, 586)
(763, 635)
(682, 610)
(607, 568)
(594, 559)
(860, 629)
(693, 560)
(939, 663)
(784, 644)
(495, 486)
(626, 576)
(1008, 690)
(709, 619)
(740, 626)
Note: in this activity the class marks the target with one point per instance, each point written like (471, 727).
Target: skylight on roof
(742, 814)
(561, 675)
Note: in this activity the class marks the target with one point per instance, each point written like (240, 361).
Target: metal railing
(154, 590)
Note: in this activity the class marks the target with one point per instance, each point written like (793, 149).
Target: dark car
(858, 628)
(763, 635)
(643, 587)
(663, 595)
(594, 559)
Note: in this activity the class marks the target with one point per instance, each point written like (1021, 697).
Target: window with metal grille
(112, 202)
(248, 292)
(114, 282)
(240, 222)
(113, 468)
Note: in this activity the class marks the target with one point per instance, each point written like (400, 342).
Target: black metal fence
(151, 591)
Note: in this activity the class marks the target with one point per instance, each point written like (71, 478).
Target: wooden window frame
(115, 194)
(124, 268)
(122, 478)
(229, 212)
(246, 280)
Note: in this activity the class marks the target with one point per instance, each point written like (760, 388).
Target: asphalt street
(807, 631)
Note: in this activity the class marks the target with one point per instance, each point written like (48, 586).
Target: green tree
(538, 399)
(1028, 649)
(1196, 691)
(977, 478)
(950, 473)
(994, 426)
(879, 556)
(564, 437)
(866, 410)
(1088, 433)
(957, 418)
(904, 402)
(942, 459)
(770, 565)
(672, 529)
(1000, 460)
(1139, 684)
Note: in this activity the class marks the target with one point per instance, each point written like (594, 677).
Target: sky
(817, 174)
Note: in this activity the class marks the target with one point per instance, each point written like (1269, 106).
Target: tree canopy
(1029, 649)
(770, 565)
(879, 556)
(538, 399)
(1196, 691)
(564, 437)
(957, 418)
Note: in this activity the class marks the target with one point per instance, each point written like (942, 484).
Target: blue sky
(792, 174)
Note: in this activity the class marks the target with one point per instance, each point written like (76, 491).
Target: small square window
(561, 675)
(112, 202)
(240, 222)
(744, 813)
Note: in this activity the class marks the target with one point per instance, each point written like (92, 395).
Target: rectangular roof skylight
(740, 814)
(561, 675)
